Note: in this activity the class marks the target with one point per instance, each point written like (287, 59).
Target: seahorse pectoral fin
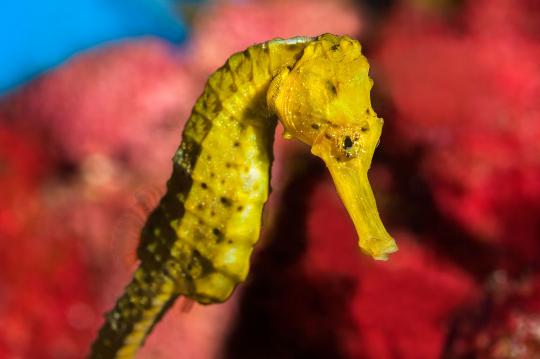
(352, 184)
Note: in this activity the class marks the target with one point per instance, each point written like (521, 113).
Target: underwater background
(93, 98)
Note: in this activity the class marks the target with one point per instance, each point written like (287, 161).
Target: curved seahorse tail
(144, 301)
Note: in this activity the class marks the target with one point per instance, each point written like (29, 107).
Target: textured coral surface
(465, 92)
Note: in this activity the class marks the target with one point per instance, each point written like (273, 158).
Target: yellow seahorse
(197, 242)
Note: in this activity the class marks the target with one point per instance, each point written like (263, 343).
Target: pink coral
(119, 101)
(225, 28)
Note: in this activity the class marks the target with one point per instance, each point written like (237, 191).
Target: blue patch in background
(36, 35)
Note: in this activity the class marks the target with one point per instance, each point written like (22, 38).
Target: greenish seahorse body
(198, 241)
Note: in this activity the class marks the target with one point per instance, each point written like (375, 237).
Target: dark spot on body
(208, 157)
(212, 175)
(225, 201)
(230, 241)
(222, 181)
(218, 234)
(239, 208)
(334, 47)
(200, 206)
(204, 185)
(367, 111)
(212, 213)
(364, 128)
(315, 126)
(228, 164)
(327, 136)
(332, 87)
(236, 144)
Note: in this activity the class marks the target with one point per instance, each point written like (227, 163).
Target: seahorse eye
(347, 143)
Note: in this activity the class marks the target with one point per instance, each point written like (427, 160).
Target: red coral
(110, 114)
(23, 165)
(506, 324)
(466, 92)
(402, 307)
(46, 309)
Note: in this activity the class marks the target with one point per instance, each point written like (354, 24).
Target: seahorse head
(323, 99)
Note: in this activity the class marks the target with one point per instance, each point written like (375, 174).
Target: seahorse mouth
(352, 184)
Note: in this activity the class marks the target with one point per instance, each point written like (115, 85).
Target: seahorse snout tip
(352, 184)
(379, 249)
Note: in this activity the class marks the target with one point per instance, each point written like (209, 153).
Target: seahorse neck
(249, 73)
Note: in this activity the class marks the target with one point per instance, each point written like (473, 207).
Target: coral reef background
(85, 152)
